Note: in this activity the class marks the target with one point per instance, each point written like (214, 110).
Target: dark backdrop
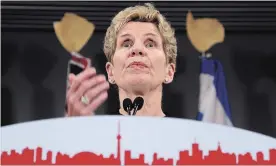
(34, 64)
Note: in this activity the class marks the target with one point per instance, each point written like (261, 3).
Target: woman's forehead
(139, 29)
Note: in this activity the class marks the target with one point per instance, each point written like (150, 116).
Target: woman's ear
(169, 73)
(109, 70)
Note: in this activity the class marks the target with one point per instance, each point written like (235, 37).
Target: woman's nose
(135, 52)
(138, 49)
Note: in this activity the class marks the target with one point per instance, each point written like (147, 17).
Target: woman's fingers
(95, 103)
(76, 81)
(97, 90)
(84, 75)
(91, 83)
(88, 84)
(71, 78)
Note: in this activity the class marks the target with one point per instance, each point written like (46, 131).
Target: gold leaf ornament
(73, 31)
(204, 32)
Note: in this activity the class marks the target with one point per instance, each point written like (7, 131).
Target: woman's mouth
(138, 65)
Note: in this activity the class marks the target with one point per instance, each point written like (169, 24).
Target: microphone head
(127, 104)
(138, 103)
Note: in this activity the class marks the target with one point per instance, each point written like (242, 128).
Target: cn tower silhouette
(119, 142)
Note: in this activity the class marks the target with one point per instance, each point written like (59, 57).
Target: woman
(140, 47)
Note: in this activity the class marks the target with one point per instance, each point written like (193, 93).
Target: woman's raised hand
(86, 92)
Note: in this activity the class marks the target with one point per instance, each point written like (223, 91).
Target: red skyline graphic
(214, 157)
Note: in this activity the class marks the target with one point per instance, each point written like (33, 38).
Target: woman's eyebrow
(151, 34)
(124, 35)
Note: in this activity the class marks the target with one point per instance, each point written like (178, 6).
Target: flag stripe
(213, 102)
(220, 85)
(199, 116)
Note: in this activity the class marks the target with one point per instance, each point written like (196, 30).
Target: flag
(213, 100)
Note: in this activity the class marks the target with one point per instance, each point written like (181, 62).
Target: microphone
(127, 104)
(137, 104)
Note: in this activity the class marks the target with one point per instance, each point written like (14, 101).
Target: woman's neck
(152, 102)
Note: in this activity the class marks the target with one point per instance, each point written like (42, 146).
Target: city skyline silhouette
(34, 156)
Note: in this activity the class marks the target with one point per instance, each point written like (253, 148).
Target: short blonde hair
(143, 13)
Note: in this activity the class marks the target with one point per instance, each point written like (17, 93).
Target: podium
(121, 140)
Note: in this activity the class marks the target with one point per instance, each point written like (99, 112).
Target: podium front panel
(119, 140)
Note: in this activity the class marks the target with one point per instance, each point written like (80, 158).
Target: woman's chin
(138, 85)
(138, 81)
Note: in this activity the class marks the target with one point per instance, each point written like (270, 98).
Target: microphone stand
(135, 110)
(137, 104)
